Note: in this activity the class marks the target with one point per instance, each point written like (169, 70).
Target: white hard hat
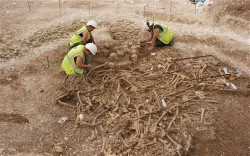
(146, 25)
(92, 23)
(92, 48)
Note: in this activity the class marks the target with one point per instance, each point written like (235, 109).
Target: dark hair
(147, 22)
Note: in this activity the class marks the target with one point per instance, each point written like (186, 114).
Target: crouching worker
(83, 35)
(77, 59)
(160, 35)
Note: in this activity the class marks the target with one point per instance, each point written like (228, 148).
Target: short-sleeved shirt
(159, 27)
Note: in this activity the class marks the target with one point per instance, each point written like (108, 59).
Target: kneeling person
(77, 59)
(83, 35)
(160, 35)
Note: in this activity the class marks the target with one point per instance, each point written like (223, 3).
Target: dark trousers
(79, 43)
(158, 43)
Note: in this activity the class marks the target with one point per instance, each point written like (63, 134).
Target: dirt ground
(37, 33)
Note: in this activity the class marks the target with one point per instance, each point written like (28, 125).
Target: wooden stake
(47, 57)
(59, 5)
(144, 11)
(170, 7)
(195, 6)
(29, 5)
(117, 8)
(89, 7)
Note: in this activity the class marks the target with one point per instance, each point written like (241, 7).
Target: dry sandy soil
(31, 33)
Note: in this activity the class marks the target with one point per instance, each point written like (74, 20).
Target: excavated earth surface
(169, 101)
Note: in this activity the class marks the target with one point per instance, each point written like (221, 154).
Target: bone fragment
(202, 114)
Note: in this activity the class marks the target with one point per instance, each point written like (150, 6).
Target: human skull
(133, 51)
(120, 53)
(130, 44)
(126, 50)
(107, 46)
(58, 149)
(134, 47)
(111, 64)
(125, 46)
(115, 48)
(134, 57)
(113, 55)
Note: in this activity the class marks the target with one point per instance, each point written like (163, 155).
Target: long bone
(58, 101)
(164, 142)
(103, 141)
(178, 146)
(174, 78)
(123, 141)
(179, 81)
(148, 124)
(145, 145)
(96, 68)
(170, 123)
(201, 71)
(116, 103)
(202, 114)
(176, 92)
(154, 126)
(112, 119)
(95, 118)
(165, 71)
(149, 120)
(157, 98)
(149, 113)
(87, 100)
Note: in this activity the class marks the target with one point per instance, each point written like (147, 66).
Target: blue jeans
(201, 1)
(86, 60)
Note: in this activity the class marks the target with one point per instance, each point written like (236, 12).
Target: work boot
(172, 42)
(87, 71)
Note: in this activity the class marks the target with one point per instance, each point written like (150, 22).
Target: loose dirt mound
(234, 13)
(238, 8)
(15, 118)
(39, 37)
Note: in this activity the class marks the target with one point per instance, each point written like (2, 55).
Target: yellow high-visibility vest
(166, 35)
(69, 65)
(76, 38)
